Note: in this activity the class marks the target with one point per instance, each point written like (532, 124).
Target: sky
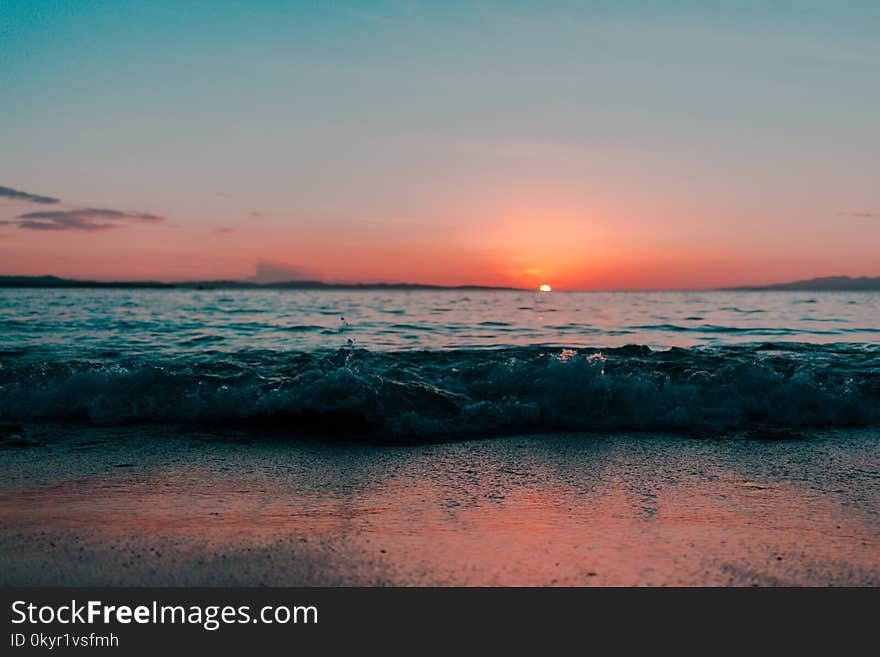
(588, 145)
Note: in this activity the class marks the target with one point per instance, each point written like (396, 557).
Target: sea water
(433, 364)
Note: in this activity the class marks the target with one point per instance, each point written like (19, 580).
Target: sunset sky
(589, 145)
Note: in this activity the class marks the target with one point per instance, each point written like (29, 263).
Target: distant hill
(55, 281)
(826, 284)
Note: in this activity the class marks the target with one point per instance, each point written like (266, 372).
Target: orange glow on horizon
(530, 236)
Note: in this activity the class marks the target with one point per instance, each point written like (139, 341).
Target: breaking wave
(433, 395)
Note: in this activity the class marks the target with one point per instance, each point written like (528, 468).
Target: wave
(745, 330)
(436, 394)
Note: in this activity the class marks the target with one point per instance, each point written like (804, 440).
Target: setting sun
(545, 288)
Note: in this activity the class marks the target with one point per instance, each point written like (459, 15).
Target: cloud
(87, 219)
(258, 215)
(8, 192)
(860, 215)
(223, 230)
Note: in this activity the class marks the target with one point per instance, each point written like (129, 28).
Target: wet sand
(160, 507)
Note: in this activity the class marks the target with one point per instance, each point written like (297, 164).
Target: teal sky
(592, 144)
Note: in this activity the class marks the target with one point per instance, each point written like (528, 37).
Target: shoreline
(155, 506)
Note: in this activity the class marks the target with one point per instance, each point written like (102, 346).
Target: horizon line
(53, 281)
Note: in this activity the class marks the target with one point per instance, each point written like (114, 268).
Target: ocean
(434, 365)
(177, 438)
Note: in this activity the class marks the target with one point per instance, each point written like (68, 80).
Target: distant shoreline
(826, 284)
(56, 282)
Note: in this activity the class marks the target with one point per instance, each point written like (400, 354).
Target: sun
(545, 288)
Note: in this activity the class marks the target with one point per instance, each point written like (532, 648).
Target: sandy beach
(164, 506)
